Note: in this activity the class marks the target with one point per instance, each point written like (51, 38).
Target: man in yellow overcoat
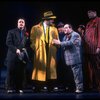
(41, 37)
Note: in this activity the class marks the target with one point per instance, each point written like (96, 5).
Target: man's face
(21, 24)
(67, 29)
(50, 22)
(79, 29)
(91, 14)
(61, 29)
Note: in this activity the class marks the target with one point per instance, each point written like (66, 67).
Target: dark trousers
(61, 74)
(15, 75)
(92, 72)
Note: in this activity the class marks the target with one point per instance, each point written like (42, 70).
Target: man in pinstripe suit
(71, 47)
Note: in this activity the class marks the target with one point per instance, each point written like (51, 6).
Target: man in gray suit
(71, 47)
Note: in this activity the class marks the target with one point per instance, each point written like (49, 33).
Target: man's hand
(18, 52)
(97, 50)
(55, 41)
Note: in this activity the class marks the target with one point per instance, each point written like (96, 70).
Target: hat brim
(52, 17)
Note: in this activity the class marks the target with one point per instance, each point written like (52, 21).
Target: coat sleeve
(56, 31)
(75, 40)
(33, 38)
(98, 45)
(9, 41)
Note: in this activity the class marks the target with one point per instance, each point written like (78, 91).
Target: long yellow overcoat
(43, 68)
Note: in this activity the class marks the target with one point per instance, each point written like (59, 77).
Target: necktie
(21, 35)
(47, 34)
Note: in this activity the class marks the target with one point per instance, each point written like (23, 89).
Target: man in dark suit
(16, 57)
(92, 51)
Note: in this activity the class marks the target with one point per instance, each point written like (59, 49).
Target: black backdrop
(74, 12)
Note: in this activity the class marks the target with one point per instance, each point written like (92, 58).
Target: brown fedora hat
(48, 15)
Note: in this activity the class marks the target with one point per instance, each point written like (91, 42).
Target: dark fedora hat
(60, 24)
(48, 15)
(82, 27)
(92, 9)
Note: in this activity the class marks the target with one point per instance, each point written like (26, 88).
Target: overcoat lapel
(18, 34)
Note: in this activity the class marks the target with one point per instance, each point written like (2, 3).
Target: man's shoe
(33, 88)
(78, 91)
(21, 91)
(55, 89)
(44, 89)
(10, 91)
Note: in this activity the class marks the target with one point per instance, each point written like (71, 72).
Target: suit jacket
(71, 49)
(92, 36)
(13, 41)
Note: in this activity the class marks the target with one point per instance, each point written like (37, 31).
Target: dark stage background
(74, 12)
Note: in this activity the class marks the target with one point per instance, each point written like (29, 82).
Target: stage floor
(30, 94)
